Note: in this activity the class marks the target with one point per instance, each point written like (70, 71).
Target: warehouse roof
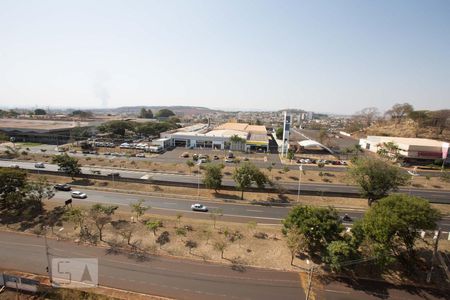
(22, 124)
(405, 141)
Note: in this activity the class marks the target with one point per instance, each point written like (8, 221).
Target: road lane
(435, 196)
(235, 212)
(170, 277)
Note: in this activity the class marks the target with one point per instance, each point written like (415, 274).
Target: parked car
(230, 155)
(39, 165)
(79, 195)
(185, 154)
(216, 157)
(194, 157)
(15, 166)
(229, 160)
(113, 174)
(202, 160)
(64, 169)
(199, 207)
(140, 155)
(62, 187)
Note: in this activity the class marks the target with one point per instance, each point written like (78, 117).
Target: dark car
(62, 187)
(113, 174)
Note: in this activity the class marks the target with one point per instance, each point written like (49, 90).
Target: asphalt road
(188, 279)
(234, 212)
(157, 275)
(433, 195)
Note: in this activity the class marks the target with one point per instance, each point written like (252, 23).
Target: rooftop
(407, 141)
(27, 124)
(243, 127)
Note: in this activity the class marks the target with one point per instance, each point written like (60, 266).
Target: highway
(188, 279)
(234, 212)
(156, 275)
(433, 195)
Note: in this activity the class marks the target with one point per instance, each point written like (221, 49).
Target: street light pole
(300, 168)
(198, 180)
(47, 254)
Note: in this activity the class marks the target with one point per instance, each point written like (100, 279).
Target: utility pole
(310, 277)
(47, 254)
(433, 258)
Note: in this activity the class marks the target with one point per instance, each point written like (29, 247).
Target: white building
(252, 137)
(409, 148)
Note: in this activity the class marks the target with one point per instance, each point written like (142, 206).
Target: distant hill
(179, 110)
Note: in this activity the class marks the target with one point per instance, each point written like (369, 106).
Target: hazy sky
(330, 56)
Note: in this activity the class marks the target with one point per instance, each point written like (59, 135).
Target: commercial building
(232, 136)
(40, 131)
(410, 149)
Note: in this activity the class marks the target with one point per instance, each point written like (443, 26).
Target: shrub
(180, 231)
(261, 235)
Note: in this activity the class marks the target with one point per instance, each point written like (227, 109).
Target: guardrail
(291, 191)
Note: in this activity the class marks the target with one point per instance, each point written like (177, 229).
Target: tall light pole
(300, 168)
(198, 179)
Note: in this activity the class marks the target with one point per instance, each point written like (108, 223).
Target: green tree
(117, 127)
(139, 208)
(248, 174)
(82, 114)
(77, 216)
(39, 112)
(393, 225)
(290, 154)
(68, 164)
(279, 133)
(339, 254)
(376, 178)
(318, 225)
(12, 181)
(101, 215)
(153, 226)
(213, 177)
(164, 113)
(146, 114)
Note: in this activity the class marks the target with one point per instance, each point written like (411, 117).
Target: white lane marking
(336, 291)
(255, 210)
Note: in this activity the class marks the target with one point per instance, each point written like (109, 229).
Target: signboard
(20, 283)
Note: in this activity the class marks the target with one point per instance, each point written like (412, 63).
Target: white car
(39, 165)
(140, 155)
(79, 195)
(199, 207)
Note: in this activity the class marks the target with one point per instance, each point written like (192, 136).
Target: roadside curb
(99, 290)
